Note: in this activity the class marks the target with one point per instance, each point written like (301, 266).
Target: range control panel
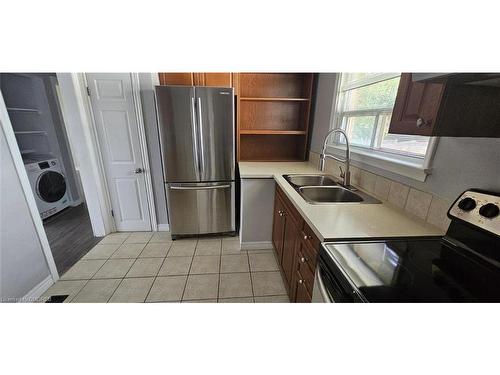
(479, 209)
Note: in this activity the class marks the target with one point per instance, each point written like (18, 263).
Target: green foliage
(377, 95)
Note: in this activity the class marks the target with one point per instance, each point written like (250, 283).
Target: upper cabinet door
(182, 79)
(217, 79)
(197, 79)
(416, 107)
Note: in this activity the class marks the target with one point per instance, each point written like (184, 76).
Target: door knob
(421, 122)
(138, 170)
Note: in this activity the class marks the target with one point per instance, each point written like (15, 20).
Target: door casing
(106, 208)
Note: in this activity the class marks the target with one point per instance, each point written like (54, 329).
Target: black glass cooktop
(433, 270)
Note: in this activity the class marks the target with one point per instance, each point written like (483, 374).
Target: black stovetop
(423, 270)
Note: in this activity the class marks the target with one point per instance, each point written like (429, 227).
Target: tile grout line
(218, 276)
(250, 274)
(95, 273)
(157, 273)
(189, 270)
(114, 291)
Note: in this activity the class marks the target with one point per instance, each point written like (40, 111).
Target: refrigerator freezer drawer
(201, 208)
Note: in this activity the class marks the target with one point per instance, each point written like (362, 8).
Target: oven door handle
(321, 286)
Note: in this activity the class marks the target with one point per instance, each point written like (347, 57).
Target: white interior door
(117, 127)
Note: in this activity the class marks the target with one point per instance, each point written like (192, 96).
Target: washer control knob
(467, 204)
(489, 210)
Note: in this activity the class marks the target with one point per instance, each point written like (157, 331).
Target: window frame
(407, 165)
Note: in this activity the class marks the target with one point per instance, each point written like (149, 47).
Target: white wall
(459, 163)
(325, 91)
(22, 263)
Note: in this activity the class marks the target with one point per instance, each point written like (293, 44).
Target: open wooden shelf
(275, 132)
(273, 116)
(275, 99)
(275, 85)
(271, 147)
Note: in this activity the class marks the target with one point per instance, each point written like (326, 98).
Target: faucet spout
(346, 175)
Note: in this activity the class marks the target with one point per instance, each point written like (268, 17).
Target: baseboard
(163, 227)
(38, 290)
(263, 245)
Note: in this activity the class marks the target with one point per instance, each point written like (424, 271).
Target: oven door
(320, 293)
(330, 285)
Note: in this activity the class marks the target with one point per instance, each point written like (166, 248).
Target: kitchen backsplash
(425, 206)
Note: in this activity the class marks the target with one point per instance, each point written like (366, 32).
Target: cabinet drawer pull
(306, 237)
(301, 281)
(303, 260)
(280, 212)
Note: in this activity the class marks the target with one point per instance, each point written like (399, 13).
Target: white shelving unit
(30, 110)
(42, 132)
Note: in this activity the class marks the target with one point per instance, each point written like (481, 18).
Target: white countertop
(341, 221)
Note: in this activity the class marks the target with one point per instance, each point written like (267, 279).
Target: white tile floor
(150, 267)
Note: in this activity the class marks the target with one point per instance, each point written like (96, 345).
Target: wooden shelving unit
(273, 116)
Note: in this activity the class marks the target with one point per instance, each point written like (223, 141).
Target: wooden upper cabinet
(196, 79)
(217, 79)
(183, 79)
(416, 107)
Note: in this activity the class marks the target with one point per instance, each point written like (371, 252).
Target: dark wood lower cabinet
(302, 294)
(289, 241)
(278, 227)
(296, 248)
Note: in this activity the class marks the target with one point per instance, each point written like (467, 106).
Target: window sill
(400, 165)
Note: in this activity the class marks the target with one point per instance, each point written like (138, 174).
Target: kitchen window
(363, 108)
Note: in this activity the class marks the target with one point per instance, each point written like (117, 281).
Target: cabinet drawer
(307, 257)
(305, 272)
(302, 294)
(310, 237)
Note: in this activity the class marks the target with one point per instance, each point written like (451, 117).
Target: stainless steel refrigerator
(196, 130)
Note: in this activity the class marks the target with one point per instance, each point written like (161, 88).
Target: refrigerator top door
(215, 110)
(179, 139)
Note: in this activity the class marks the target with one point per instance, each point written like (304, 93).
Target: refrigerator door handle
(200, 135)
(200, 187)
(195, 134)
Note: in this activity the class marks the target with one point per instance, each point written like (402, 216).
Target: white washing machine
(48, 185)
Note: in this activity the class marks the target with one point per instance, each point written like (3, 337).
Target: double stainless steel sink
(324, 189)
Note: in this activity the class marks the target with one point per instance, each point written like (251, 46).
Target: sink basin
(333, 194)
(299, 180)
(324, 189)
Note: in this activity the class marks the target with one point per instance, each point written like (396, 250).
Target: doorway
(35, 114)
(117, 118)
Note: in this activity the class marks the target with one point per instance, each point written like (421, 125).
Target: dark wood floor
(70, 236)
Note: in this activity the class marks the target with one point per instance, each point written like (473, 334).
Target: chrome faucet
(346, 175)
